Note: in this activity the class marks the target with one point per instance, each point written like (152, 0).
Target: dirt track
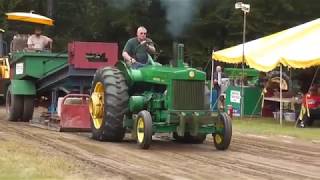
(249, 157)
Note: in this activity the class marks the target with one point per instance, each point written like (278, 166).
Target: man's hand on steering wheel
(132, 60)
(143, 43)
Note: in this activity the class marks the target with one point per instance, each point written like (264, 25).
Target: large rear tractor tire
(108, 105)
(187, 138)
(144, 129)
(28, 108)
(223, 134)
(14, 105)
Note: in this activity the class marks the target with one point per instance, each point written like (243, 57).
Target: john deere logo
(192, 74)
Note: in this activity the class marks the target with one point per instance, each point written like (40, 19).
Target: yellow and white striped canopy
(297, 47)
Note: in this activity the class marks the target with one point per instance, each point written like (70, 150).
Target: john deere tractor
(155, 99)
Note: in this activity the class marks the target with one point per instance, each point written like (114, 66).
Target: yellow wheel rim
(140, 130)
(218, 138)
(96, 105)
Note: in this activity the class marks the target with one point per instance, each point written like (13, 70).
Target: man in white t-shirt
(39, 42)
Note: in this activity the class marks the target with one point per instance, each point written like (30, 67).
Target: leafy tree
(215, 24)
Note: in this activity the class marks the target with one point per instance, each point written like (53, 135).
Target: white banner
(235, 96)
(19, 68)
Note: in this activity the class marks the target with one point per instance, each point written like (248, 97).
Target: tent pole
(281, 111)
(242, 65)
(211, 85)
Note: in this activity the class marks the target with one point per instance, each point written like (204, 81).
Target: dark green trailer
(38, 76)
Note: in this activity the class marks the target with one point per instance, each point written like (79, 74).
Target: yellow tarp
(297, 47)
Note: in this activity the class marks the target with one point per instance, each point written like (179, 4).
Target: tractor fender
(131, 75)
(23, 87)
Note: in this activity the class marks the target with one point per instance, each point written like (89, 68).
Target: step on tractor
(155, 99)
(60, 82)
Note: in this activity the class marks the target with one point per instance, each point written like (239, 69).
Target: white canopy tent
(297, 47)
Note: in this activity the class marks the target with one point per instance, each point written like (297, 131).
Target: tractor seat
(19, 43)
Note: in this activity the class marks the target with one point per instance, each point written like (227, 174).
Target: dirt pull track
(249, 157)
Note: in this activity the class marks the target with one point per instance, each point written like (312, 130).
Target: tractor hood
(164, 74)
(158, 74)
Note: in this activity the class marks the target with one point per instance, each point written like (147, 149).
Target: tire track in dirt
(300, 154)
(73, 151)
(166, 163)
(146, 169)
(280, 146)
(146, 162)
(247, 158)
(254, 168)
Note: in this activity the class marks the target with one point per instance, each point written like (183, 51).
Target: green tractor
(155, 99)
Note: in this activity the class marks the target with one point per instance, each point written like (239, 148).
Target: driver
(135, 52)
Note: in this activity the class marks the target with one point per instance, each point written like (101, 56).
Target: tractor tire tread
(227, 133)
(116, 104)
(14, 105)
(28, 108)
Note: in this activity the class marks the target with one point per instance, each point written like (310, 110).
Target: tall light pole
(50, 8)
(1, 43)
(245, 9)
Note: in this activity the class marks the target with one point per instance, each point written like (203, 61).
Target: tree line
(202, 25)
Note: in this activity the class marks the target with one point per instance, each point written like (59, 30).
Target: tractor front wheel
(223, 134)
(144, 129)
(108, 104)
(14, 105)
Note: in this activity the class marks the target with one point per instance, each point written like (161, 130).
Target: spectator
(39, 42)
(217, 79)
(217, 82)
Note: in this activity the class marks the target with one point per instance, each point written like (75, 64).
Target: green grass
(20, 160)
(269, 126)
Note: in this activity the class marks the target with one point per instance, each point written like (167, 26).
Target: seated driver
(136, 50)
(39, 42)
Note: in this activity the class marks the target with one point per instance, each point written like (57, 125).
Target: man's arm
(49, 42)
(127, 50)
(127, 57)
(149, 46)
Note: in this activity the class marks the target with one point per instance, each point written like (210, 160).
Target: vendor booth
(297, 47)
(251, 92)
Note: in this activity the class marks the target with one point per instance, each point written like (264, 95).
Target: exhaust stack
(178, 55)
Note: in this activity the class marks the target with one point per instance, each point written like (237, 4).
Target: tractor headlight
(192, 74)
